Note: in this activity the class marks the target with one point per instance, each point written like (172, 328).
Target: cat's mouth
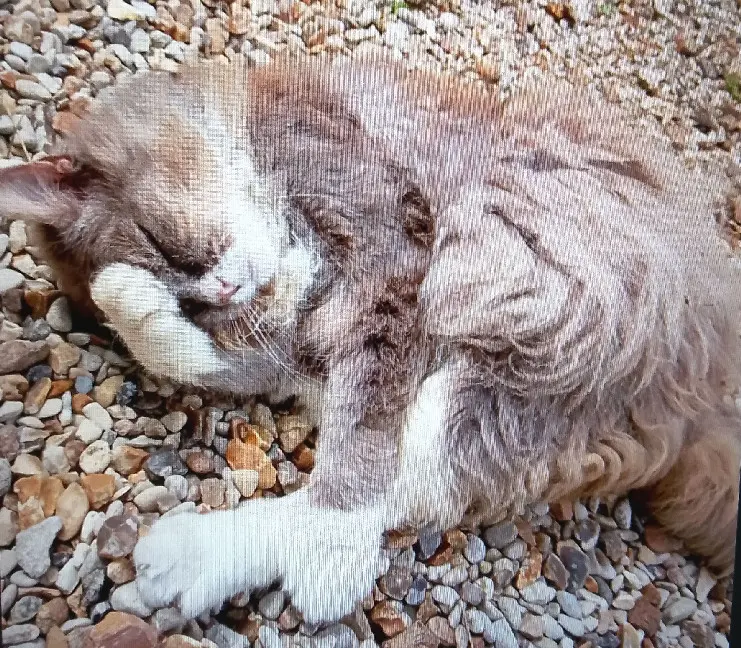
(228, 325)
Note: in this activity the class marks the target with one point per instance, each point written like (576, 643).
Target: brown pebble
(645, 616)
(39, 301)
(13, 387)
(79, 401)
(73, 450)
(385, 616)
(127, 460)
(200, 462)
(530, 570)
(562, 510)
(121, 571)
(99, 489)
(72, 507)
(52, 613)
(591, 585)
(456, 539)
(36, 396)
(303, 458)
(55, 638)
(122, 630)
(58, 387)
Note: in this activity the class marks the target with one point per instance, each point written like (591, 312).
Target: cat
(483, 303)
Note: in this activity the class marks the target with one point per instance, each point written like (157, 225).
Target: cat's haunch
(512, 302)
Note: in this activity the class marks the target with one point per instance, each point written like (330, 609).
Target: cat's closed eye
(187, 266)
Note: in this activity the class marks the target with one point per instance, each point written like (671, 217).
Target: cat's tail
(697, 500)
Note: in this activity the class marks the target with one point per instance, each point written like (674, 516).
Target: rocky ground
(92, 451)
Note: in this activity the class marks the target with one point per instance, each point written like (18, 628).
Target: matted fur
(555, 274)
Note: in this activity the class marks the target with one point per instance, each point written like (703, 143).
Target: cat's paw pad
(180, 562)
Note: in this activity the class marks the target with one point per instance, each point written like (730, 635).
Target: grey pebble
(501, 535)
(272, 604)
(33, 545)
(25, 609)
(5, 476)
(126, 598)
(18, 634)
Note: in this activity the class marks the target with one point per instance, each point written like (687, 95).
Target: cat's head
(161, 175)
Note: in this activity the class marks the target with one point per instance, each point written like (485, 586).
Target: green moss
(733, 85)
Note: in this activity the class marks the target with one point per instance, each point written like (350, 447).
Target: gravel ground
(92, 451)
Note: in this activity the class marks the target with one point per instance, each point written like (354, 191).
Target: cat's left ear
(48, 191)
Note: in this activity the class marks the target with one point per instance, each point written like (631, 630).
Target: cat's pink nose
(227, 291)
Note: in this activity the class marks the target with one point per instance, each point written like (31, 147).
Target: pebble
(96, 457)
(32, 546)
(126, 598)
(5, 476)
(678, 611)
(19, 634)
(98, 415)
(164, 463)
(10, 279)
(501, 535)
(25, 609)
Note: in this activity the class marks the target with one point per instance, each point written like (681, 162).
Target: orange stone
(58, 387)
(79, 401)
(240, 455)
(267, 476)
(456, 539)
(39, 301)
(51, 489)
(99, 489)
(387, 618)
(530, 570)
(127, 459)
(121, 630)
(303, 458)
(30, 513)
(562, 510)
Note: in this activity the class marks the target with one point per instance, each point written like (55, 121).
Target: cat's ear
(48, 191)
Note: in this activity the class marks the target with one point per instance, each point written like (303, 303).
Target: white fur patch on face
(260, 251)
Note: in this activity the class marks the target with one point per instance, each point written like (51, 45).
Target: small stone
(212, 492)
(678, 611)
(705, 582)
(26, 464)
(574, 627)
(164, 463)
(72, 507)
(121, 571)
(98, 415)
(623, 601)
(13, 387)
(292, 431)
(33, 544)
(59, 317)
(645, 615)
(200, 462)
(52, 613)
(127, 460)
(246, 481)
(501, 535)
(622, 514)
(99, 488)
(272, 604)
(19, 355)
(532, 627)
(84, 384)
(25, 609)
(575, 562)
(118, 629)
(126, 598)
(19, 634)
(96, 457)
(8, 526)
(395, 583)
(117, 537)
(174, 421)
(10, 279)
(5, 476)
(569, 604)
(88, 431)
(105, 393)
(475, 550)
(554, 571)
(385, 616)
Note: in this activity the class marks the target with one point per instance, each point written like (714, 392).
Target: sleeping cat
(484, 304)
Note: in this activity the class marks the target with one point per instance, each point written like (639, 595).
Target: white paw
(187, 561)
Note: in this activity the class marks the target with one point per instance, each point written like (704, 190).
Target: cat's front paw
(187, 561)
